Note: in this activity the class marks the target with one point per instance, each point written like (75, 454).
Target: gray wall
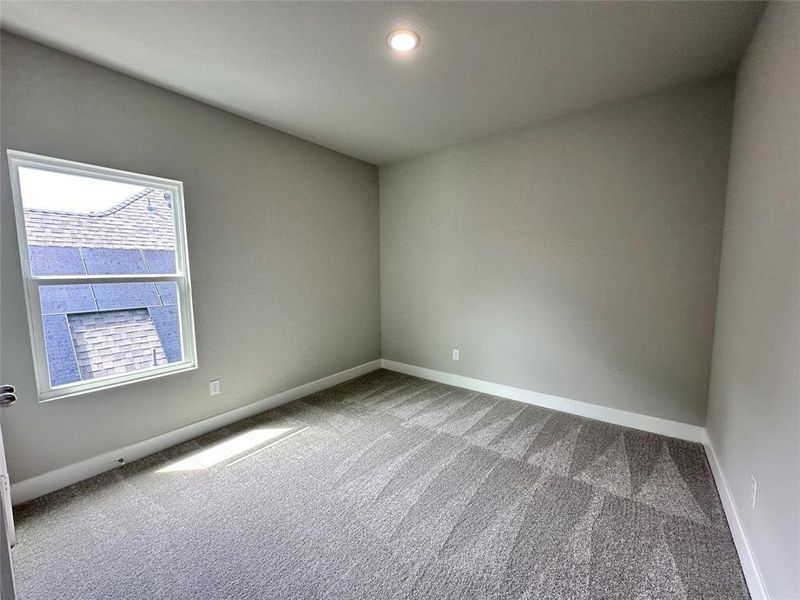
(283, 243)
(577, 258)
(754, 405)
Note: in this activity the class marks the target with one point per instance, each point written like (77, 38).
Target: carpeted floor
(389, 486)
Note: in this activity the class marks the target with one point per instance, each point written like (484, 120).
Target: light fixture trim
(403, 40)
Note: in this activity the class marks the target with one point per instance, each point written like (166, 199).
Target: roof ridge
(103, 213)
(120, 205)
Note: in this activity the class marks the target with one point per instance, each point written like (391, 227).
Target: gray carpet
(389, 486)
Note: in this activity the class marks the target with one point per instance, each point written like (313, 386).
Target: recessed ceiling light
(403, 40)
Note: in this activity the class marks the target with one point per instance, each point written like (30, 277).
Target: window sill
(104, 384)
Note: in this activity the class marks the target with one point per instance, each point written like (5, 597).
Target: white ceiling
(323, 71)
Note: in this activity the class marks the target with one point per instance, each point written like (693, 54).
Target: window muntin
(106, 274)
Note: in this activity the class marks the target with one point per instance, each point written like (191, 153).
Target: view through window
(106, 272)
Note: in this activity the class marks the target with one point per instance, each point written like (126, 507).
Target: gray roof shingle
(144, 221)
(99, 330)
(115, 342)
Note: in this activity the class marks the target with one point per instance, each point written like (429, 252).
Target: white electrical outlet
(753, 491)
(214, 387)
(456, 353)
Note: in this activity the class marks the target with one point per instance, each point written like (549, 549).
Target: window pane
(61, 360)
(61, 299)
(125, 295)
(78, 225)
(168, 291)
(101, 330)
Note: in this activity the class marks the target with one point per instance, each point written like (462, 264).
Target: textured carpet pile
(389, 486)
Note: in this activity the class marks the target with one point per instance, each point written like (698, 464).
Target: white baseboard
(28, 489)
(684, 431)
(752, 574)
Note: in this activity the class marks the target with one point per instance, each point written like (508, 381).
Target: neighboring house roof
(142, 221)
(115, 342)
(96, 330)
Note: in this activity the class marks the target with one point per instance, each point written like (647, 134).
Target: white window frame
(32, 283)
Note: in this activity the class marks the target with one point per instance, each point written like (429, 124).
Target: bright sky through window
(49, 190)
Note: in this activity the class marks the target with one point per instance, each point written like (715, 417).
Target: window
(106, 274)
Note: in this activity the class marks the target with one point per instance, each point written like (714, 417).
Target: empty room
(377, 300)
